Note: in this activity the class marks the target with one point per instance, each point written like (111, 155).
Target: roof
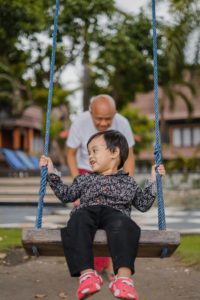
(31, 118)
(170, 153)
(145, 102)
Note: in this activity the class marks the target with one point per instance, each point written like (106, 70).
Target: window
(196, 136)
(38, 144)
(177, 137)
(186, 137)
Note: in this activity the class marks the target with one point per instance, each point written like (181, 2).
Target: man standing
(102, 115)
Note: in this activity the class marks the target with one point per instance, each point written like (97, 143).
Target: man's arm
(129, 165)
(71, 160)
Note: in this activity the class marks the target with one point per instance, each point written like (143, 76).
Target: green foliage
(41, 95)
(81, 19)
(123, 65)
(9, 238)
(80, 22)
(17, 18)
(24, 59)
(189, 250)
(184, 164)
(14, 93)
(172, 59)
(141, 126)
(115, 47)
(188, 14)
(56, 128)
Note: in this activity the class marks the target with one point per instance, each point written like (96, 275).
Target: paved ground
(185, 221)
(47, 278)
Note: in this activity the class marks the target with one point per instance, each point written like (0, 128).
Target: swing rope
(157, 148)
(42, 191)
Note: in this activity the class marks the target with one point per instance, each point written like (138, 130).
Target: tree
(141, 126)
(188, 12)
(18, 20)
(25, 51)
(95, 32)
(185, 164)
(14, 93)
(81, 21)
(172, 66)
(172, 58)
(123, 65)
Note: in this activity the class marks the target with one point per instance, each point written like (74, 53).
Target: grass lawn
(188, 251)
(9, 238)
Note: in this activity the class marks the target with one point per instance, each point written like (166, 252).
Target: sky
(72, 74)
(135, 6)
(132, 5)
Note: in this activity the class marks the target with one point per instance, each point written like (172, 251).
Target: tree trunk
(86, 86)
(86, 68)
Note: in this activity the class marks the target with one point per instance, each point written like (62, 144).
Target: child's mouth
(92, 163)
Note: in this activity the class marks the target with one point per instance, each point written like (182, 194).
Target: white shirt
(83, 128)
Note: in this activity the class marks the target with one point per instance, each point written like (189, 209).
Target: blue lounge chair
(13, 160)
(26, 160)
(35, 161)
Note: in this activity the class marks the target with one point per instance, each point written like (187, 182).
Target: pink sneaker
(90, 283)
(123, 288)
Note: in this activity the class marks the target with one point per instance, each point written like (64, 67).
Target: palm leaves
(173, 60)
(14, 95)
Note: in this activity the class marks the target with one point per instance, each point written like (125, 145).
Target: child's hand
(76, 203)
(46, 161)
(161, 171)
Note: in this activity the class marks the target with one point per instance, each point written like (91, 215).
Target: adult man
(102, 115)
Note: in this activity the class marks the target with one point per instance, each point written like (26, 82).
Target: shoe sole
(87, 296)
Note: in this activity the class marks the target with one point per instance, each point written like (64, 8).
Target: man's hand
(71, 161)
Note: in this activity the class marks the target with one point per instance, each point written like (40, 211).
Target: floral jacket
(118, 191)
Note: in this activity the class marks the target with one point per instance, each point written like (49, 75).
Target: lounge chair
(19, 162)
(35, 161)
(11, 165)
(13, 160)
(26, 160)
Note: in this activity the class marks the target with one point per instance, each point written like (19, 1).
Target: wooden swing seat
(48, 242)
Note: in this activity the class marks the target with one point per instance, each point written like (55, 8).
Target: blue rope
(157, 149)
(42, 191)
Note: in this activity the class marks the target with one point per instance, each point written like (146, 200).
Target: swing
(153, 243)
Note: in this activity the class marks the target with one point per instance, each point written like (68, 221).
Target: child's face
(101, 159)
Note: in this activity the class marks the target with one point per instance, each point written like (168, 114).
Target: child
(106, 196)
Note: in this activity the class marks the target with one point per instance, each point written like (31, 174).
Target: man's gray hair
(95, 98)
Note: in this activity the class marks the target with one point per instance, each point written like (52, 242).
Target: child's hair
(114, 139)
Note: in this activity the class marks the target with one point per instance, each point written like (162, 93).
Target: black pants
(122, 233)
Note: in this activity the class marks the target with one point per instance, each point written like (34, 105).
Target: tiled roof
(145, 102)
(31, 118)
(170, 153)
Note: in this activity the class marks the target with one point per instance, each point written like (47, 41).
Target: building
(181, 137)
(23, 133)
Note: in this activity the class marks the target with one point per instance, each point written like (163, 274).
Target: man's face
(102, 115)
